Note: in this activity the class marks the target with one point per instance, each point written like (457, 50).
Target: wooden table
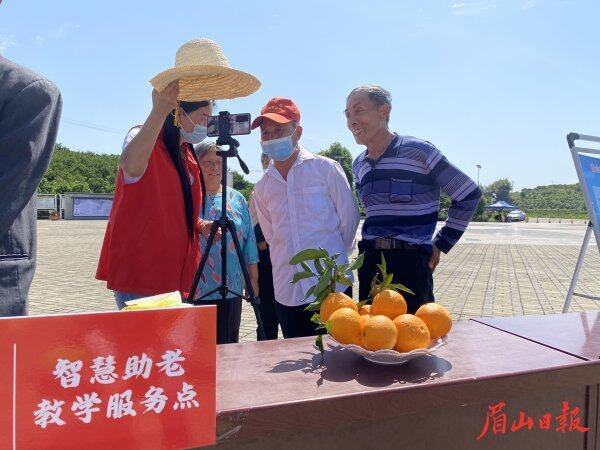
(577, 334)
(278, 395)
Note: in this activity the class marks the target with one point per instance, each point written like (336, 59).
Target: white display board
(91, 207)
(46, 202)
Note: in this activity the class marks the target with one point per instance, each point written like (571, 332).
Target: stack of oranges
(385, 323)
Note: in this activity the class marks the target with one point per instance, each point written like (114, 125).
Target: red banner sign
(136, 379)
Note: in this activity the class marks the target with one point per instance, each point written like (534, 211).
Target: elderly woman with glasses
(229, 312)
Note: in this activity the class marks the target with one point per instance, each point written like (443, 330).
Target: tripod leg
(253, 299)
(222, 320)
(211, 238)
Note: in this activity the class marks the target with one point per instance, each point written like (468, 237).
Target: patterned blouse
(237, 210)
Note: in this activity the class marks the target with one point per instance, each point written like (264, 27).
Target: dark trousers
(295, 322)
(410, 268)
(229, 317)
(266, 307)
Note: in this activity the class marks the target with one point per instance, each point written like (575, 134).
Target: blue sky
(497, 83)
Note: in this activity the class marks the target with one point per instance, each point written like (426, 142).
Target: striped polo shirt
(400, 193)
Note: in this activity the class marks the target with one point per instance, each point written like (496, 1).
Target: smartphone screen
(238, 124)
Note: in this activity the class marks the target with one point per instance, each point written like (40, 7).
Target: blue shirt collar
(391, 151)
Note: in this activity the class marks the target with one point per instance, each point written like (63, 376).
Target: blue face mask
(197, 135)
(278, 149)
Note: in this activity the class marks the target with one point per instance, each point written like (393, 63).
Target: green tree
(557, 200)
(342, 155)
(241, 184)
(480, 212)
(72, 171)
(500, 190)
(445, 203)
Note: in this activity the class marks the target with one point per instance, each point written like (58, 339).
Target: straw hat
(203, 72)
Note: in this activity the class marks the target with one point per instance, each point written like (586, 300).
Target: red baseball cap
(280, 110)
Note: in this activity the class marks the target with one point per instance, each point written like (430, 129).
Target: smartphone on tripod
(224, 126)
(238, 124)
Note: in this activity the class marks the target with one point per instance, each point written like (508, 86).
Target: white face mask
(197, 135)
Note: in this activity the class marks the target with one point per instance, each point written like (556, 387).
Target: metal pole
(586, 240)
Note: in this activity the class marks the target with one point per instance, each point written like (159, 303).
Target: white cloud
(529, 4)
(39, 40)
(6, 41)
(472, 8)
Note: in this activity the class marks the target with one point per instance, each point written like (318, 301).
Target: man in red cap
(303, 201)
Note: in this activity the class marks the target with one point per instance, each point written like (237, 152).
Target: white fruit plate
(391, 357)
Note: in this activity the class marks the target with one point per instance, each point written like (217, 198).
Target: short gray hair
(204, 147)
(377, 95)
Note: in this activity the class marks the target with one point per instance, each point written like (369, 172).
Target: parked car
(516, 216)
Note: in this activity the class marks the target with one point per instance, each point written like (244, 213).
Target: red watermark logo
(497, 421)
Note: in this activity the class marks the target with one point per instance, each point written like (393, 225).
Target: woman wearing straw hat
(151, 244)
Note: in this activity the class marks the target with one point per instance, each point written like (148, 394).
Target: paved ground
(496, 269)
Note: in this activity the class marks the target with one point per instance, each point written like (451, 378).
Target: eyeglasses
(211, 163)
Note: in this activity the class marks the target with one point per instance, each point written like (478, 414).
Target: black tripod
(226, 224)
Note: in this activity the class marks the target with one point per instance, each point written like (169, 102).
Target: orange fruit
(379, 332)
(388, 303)
(412, 333)
(365, 310)
(344, 326)
(363, 319)
(436, 317)
(333, 302)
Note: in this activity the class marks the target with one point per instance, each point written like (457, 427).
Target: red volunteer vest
(147, 248)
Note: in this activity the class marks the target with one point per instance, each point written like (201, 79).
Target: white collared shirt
(314, 208)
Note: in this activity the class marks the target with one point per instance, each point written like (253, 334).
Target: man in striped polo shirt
(398, 181)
